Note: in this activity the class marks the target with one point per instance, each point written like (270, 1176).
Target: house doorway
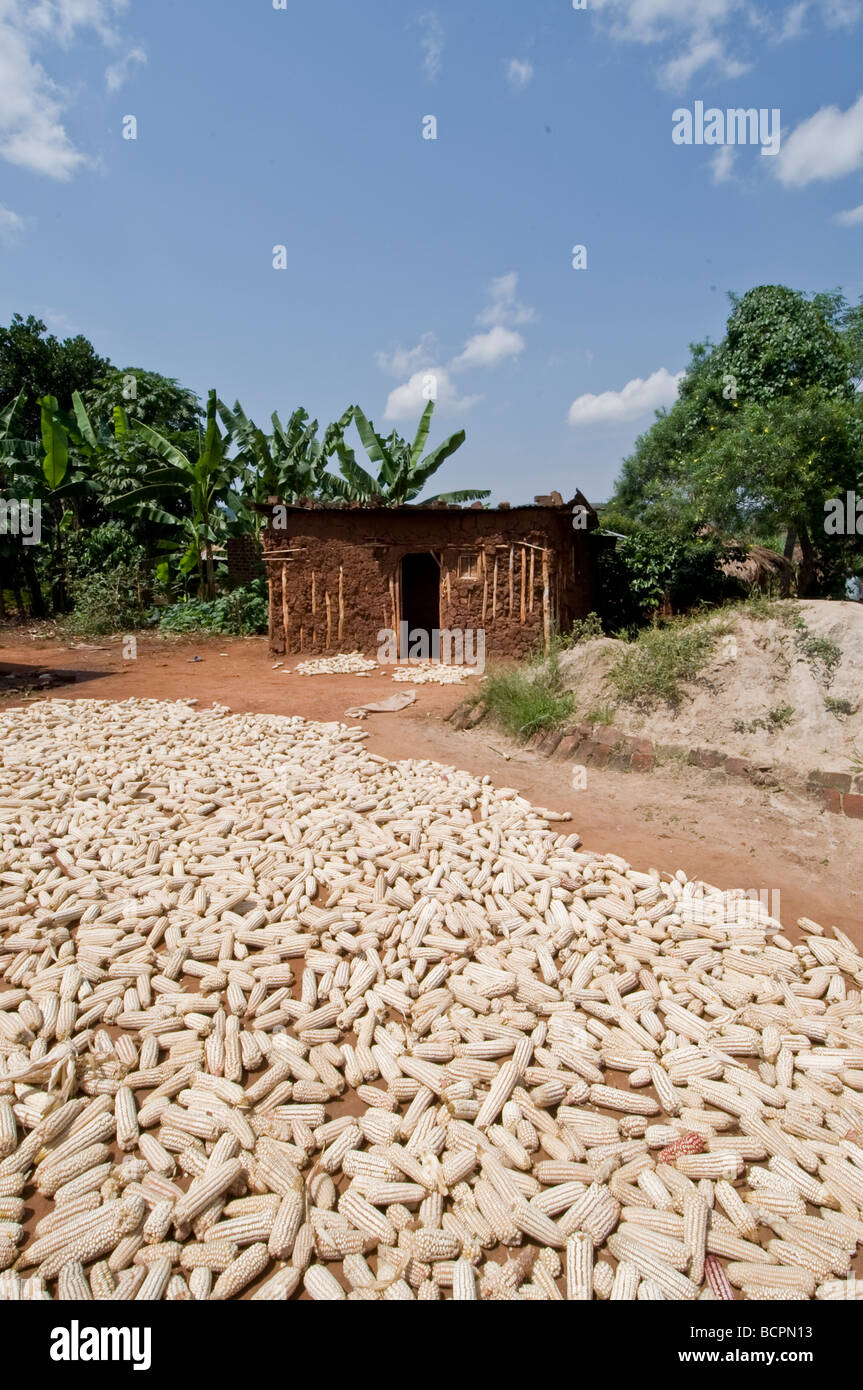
(420, 605)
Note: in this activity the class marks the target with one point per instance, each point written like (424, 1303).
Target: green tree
(289, 463)
(765, 430)
(203, 484)
(403, 470)
(37, 363)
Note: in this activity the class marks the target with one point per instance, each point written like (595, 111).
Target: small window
(468, 567)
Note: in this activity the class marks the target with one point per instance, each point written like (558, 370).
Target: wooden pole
(329, 619)
(484, 564)
(530, 600)
(494, 592)
(523, 580)
(511, 563)
(546, 618)
(286, 612)
(341, 602)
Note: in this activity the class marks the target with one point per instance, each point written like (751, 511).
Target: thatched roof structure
(762, 569)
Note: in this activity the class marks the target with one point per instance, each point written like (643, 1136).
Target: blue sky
(441, 265)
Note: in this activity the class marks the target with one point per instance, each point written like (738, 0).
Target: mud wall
(335, 575)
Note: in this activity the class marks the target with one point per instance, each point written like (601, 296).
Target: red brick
(568, 746)
(644, 762)
(477, 714)
(830, 799)
(837, 781)
(642, 745)
(737, 767)
(706, 757)
(608, 736)
(852, 805)
(595, 753)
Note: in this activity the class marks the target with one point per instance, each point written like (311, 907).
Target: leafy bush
(653, 568)
(241, 613)
(106, 547)
(106, 602)
(527, 699)
(839, 706)
(582, 630)
(661, 658)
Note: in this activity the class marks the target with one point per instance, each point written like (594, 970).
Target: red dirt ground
(712, 827)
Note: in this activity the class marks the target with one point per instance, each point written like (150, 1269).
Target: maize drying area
(279, 1017)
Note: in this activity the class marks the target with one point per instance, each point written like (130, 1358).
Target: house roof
(550, 502)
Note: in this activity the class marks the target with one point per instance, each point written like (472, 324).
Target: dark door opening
(420, 602)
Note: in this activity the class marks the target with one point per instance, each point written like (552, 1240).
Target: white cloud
(489, 349)
(10, 223)
(403, 361)
(434, 383)
(722, 164)
(116, 74)
(712, 35)
(432, 44)
(852, 218)
(702, 53)
(503, 306)
(427, 378)
(826, 146)
(637, 398)
(518, 73)
(32, 106)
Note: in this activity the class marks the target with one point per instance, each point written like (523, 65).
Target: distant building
(339, 575)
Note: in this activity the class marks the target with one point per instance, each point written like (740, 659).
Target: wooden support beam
(523, 580)
(286, 611)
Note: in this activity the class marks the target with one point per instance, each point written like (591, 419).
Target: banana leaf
(422, 435)
(82, 420)
(9, 415)
(55, 443)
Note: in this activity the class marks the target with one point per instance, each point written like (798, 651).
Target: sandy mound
(762, 665)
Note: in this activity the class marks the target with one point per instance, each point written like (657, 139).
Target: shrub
(106, 602)
(652, 669)
(653, 568)
(104, 548)
(241, 613)
(527, 699)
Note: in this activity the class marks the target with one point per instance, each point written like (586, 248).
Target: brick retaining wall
(602, 745)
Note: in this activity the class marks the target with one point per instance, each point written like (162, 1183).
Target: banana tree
(403, 471)
(288, 464)
(55, 472)
(195, 493)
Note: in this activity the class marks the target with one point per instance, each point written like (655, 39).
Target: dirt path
(731, 835)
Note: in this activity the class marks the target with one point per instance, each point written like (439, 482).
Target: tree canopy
(37, 363)
(767, 428)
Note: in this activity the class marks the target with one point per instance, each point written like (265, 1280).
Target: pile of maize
(428, 674)
(280, 1018)
(346, 664)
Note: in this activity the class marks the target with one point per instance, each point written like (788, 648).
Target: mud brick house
(339, 575)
